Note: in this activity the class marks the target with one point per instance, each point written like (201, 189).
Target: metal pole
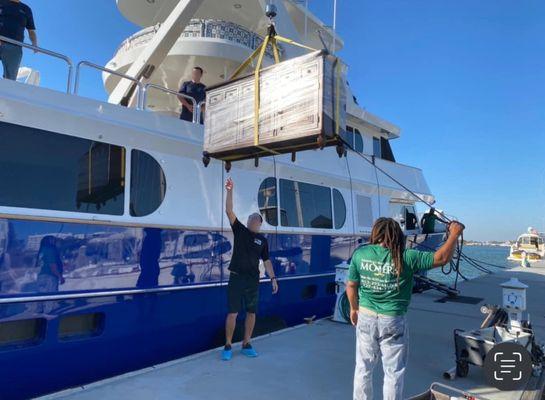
(333, 46)
(69, 82)
(306, 19)
(144, 98)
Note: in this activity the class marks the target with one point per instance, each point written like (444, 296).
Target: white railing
(139, 85)
(202, 28)
(50, 53)
(196, 106)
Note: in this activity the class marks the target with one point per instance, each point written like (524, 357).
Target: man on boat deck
(379, 289)
(15, 17)
(195, 89)
(249, 246)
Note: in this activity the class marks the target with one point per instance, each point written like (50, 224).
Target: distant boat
(530, 243)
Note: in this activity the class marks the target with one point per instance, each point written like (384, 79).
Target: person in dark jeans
(15, 17)
(379, 289)
(195, 89)
(243, 287)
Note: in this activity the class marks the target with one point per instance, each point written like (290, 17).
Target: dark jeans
(11, 56)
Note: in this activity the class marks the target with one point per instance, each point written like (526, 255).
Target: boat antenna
(333, 45)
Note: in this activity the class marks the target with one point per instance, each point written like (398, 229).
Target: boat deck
(316, 361)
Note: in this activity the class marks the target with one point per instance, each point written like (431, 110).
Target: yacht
(114, 245)
(531, 244)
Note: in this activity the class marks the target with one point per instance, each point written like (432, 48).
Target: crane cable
(459, 255)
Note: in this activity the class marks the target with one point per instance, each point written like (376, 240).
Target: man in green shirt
(379, 289)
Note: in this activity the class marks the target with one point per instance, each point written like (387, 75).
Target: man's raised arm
(229, 201)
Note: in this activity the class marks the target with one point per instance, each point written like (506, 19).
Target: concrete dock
(316, 361)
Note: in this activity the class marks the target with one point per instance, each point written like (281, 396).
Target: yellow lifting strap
(259, 52)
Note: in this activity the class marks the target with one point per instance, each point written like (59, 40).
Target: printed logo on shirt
(376, 267)
(377, 276)
(257, 241)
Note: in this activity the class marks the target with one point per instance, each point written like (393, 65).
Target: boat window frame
(336, 226)
(129, 186)
(120, 187)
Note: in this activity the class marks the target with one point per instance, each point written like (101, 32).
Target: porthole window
(148, 184)
(340, 209)
(305, 205)
(267, 201)
(45, 170)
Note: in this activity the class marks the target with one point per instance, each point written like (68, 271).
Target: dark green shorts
(242, 290)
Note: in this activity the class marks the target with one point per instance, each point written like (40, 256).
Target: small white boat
(531, 243)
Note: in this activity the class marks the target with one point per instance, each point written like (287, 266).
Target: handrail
(199, 110)
(141, 93)
(112, 72)
(144, 105)
(47, 52)
(124, 292)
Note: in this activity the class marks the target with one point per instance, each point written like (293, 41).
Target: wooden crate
(302, 100)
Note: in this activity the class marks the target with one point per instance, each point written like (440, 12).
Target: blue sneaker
(226, 353)
(248, 350)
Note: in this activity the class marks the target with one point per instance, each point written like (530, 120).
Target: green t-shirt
(372, 268)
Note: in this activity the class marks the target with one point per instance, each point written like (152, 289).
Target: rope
(419, 198)
(459, 255)
(273, 38)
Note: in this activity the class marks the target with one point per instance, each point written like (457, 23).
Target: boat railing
(147, 87)
(202, 28)
(139, 88)
(50, 53)
(141, 91)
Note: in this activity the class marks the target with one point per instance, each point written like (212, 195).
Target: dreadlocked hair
(387, 233)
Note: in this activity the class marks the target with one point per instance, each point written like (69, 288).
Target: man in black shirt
(15, 17)
(249, 246)
(195, 89)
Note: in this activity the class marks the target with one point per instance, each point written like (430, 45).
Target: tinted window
(267, 201)
(148, 184)
(365, 211)
(376, 147)
(358, 141)
(305, 205)
(80, 326)
(348, 135)
(45, 170)
(340, 209)
(386, 150)
(23, 332)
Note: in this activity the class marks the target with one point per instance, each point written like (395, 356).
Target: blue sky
(463, 79)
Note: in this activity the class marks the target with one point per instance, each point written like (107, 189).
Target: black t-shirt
(195, 90)
(248, 248)
(14, 18)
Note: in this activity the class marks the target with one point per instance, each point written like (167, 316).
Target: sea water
(490, 254)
